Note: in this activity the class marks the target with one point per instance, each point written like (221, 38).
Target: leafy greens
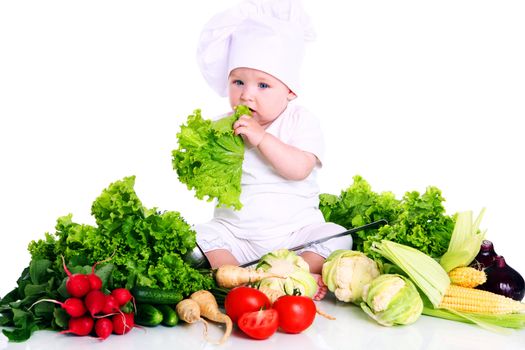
(209, 157)
(417, 220)
(147, 247)
(40, 281)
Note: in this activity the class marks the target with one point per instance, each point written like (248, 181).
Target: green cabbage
(209, 157)
(295, 270)
(346, 272)
(392, 299)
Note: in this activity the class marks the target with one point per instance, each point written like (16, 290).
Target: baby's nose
(247, 94)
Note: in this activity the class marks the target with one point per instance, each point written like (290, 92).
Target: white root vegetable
(189, 311)
(230, 276)
(324, 314)
(210, 309)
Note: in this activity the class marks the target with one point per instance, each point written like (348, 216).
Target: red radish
(80, 325)
(73, 306)
(77, 285)
(122, 323)
(122, 295)
(111, 305)
(103, 328)
(95, 301)
(95, 283)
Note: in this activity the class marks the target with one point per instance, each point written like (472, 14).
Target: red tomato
(296, 312)
(259, 324)
(243, 299)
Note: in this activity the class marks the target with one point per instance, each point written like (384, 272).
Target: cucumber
(148, 315)
(169, 315)
(147, 295)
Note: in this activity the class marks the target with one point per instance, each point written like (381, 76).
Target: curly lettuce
(417, 220)
(209, 157)
(146, 246)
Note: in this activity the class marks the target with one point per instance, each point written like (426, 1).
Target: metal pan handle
(373, 224)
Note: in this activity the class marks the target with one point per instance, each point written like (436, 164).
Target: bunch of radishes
(90, 308)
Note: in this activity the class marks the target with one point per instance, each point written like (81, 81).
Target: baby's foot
(322, 288)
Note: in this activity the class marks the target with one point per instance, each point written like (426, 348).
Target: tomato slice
(260, 324)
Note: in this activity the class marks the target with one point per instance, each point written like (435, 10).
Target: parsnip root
(189, 311)
(231, 276)
(325, 315)
(210, 309)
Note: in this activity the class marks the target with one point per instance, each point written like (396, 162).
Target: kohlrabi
(295, 270)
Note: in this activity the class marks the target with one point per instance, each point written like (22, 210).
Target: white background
(410, 94)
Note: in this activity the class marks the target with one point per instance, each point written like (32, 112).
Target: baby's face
(265, 95)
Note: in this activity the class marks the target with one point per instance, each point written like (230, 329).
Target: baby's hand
(250, 129)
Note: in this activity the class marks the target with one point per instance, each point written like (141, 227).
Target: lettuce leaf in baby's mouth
(209, 157)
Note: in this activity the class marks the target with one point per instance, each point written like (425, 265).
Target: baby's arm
(289, 161)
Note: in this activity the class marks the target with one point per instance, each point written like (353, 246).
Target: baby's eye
(263, 85)
(237, 82)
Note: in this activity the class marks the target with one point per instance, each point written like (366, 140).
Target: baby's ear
(291, 95)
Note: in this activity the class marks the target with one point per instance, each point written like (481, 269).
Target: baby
(252, 54)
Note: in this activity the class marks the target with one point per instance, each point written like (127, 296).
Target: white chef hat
(267, 35)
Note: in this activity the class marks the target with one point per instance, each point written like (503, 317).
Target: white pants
(214, 235)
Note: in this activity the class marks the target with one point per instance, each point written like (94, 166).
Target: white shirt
(272, 205)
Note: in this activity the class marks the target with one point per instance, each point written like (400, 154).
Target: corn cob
(479, 301)
(468, 277)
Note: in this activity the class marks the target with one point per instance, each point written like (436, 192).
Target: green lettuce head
(392, 299)
(295, 270)
(346, 272)
(209, 157)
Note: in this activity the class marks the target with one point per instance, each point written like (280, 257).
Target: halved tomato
(260, 324)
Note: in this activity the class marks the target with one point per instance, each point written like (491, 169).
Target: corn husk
(465, 241)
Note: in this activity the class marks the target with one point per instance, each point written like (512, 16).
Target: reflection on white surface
(351, 330)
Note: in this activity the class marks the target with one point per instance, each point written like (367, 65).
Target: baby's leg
(315, 261)
(315, 255)
(220, 257)
(220, 246)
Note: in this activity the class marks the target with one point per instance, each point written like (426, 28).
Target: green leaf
(4, 320)
(10, 297)
(25, 325)
(62, 291)
(20, 334)
(60, 317)
(35, 289)
(38, 270)
(80, 269)
(209, 157)
(104, 272)
(44, 309)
